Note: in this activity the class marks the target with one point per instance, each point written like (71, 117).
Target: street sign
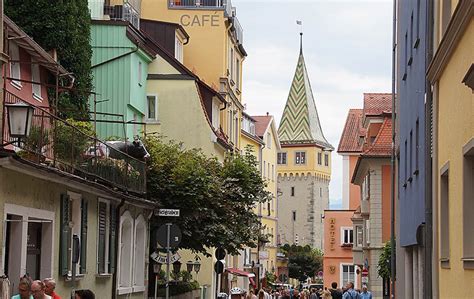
(162, 258)
(365, 279)
(168, 213)
(365, 272)
(220, 253)
(219, 267)
(175, 235)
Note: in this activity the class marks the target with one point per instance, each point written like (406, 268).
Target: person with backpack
(350, 293)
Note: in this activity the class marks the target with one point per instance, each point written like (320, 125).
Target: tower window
(300, 158)
(292, 191)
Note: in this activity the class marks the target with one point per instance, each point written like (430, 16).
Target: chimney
(268, 114)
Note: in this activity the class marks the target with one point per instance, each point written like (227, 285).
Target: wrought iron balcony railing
(226, 5)
(69, 146)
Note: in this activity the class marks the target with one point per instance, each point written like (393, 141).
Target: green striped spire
(300, 120)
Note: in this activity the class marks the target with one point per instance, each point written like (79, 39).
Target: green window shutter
(102, 237)
(83, 260)
(65, 237)
(113, 238)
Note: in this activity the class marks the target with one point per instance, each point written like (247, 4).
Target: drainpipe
(428, 246)
(392, 160)
(2, 62)
(117, 245)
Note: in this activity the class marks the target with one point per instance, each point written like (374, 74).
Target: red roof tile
(377, 103)
(382, 145)
(352, 132)
(261, 124)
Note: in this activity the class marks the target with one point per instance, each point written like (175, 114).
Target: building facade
(451, 74)
(373, 174)
(304, 166)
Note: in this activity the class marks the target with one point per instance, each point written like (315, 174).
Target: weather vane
(300, 23)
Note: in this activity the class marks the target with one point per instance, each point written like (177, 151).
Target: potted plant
(33, 145)
(71, 140)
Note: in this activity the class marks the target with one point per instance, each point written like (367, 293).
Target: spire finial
(300, 23)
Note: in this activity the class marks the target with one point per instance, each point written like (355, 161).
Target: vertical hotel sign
(332, 233)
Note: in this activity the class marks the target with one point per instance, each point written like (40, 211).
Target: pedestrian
(365, 294)
(49, 287)
(24, 289)
(326, 295)
(261, 294)
(313, 294)
(350, 293)
(37, 290)
(84, 294)
(335, 292)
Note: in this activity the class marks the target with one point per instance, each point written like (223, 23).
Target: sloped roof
(261, 124)
(352, 131)
(377, 103)
(300, 121)
(382, 145)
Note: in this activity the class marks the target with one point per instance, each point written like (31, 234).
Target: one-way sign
(168, 213)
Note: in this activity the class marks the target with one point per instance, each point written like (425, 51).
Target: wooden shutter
(83, 260)
(65, 236)
(102, 237)
(113, 238)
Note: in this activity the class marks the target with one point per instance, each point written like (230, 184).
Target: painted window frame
(36, 77)
(326, 160)
(282, 156)
(269, 140)
(320, 158)
(156, 118)
(107, 237)
(343, 235)
(75, 202)
(341, 273)
(15, 66)
(300, 155)
(139, 255)
(468, 205)
(359, 231)
(125, 256)
(444, 182)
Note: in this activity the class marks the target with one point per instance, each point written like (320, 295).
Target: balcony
(225, 5)
(364, 207)
(54, 142)
(127, 11)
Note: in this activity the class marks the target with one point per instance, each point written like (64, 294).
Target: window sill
(78, 277)
(37, 97)
(16, 84)
(137, 289)
(103, 275)
(124, 290)
(152, 122)
(468, 263)
(444, 263)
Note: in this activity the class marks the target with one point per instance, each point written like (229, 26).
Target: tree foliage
(216, 200)
(383, 267)
(303, 261)
(63, 25)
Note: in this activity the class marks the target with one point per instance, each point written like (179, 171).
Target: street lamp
(176, 267)
(197, 266)
(19, 119)
(189, 266)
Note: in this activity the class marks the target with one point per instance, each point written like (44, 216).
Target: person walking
(84, 294)
(326, 294)
(37, 290)
(335, 292)
(49, 287)
(313, 294)
(24, 289)
(365, 294)
(350, 293)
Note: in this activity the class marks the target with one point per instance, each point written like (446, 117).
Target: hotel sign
(332, 233)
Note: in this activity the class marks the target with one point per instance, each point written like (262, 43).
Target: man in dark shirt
(335, 292)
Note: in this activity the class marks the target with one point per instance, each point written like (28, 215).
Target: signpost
(168, 236)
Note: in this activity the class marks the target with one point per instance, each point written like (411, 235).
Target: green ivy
(63, 25)
(383, 267)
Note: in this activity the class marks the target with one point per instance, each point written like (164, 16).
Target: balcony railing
(226, 5)
(57, 143)
(125, 12)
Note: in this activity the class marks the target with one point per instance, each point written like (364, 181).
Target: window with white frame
(366, 188)
(140, 73)
(300, 158)
(347, 235)
(103, 227)
(281, 158)
(215, 114)
(231, 62)
(178, 51)
(125, 253)
(237, 73)
(359, 236)
(139, 251)
(326, 160)
(273, 172)
(347, 274)
(367, 231)
(320, 159)
(247, 257)
(14, 53)
(152, 107)
(269, 140)
(36, 77)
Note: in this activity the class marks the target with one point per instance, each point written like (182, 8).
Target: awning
(238, 272)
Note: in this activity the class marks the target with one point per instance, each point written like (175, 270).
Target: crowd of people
(347, 292)
(45, 289)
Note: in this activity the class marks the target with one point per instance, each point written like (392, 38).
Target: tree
(216, 200)
(303, 261)
(383, 267)
(63, 25)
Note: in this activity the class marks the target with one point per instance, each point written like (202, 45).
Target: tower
(304, 165)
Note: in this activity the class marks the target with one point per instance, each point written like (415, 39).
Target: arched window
(125, 253)
(139, 261)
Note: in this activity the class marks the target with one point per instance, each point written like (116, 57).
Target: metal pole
(392, 160)
(168, 228)
(156, 286)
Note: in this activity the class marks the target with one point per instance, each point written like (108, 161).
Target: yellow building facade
(452, 75)
(214, 51)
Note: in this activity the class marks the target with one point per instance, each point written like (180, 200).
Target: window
(236, 130)
(367, 231)
(411, 155)
(152, 107)
(264, 169)
(300, 158)
(35, 77)
(372, 139)
(359, 236)
(406, 162)
(326, 160)
(320, 192)
(231, 64)
(247, 257)
(406, 58)
(347, 274)
(294, 215)
(320, 159)
(139, 251)
(140, 73)
(410, 60)
(417, 145)
(468, 205)
(268, 170)
(347, 235)
(103, 240)
(366, 188)
(269, 140)
(444, 217)
(273, 172)
(292, 191)
(73, 222)
(14, 53)
(281, 158)
(237, 73)
(178, 51)
(268, 208)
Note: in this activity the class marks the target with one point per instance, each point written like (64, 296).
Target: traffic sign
(220, 253)
(168, 213)
(365, 272)
(365, 279)
(175, 235)
(219, 267)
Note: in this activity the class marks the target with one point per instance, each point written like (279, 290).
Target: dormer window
(178, 49)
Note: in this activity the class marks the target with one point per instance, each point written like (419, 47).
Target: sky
(347, 50)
